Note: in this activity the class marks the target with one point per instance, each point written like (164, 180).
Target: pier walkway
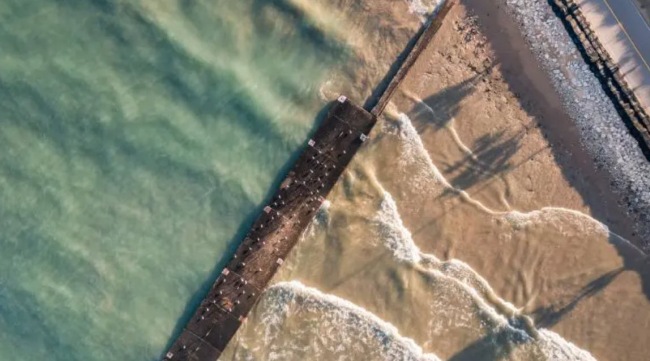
(292, 208)
(274, 234)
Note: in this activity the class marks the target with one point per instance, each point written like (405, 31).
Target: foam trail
(415, 152)
(350, 323)
(560, 214)
(503, 317)
(424, 8)
(448, 126)
(397, 238)
(392, 231)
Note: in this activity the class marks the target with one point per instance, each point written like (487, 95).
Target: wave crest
(334, 328)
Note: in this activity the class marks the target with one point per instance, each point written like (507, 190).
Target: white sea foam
(326, 205)
(349, 327)
(556, 216)
(501, 317)
(555, 348)
(428, 175)
(323, 214)
(393, 233)
(413, 153)
(424, 8)
(397, 238)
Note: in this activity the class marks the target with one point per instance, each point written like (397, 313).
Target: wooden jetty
(288, 214)
(274, 234)
(422, 40)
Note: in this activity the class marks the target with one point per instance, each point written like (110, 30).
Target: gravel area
(602, 131)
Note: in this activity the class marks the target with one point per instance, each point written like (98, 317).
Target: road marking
(638, 12)
(628, 35)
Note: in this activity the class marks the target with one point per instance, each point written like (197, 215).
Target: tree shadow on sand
(500, 344)
(491, 155)
(495, 346)
(549, 316)
(439, 109)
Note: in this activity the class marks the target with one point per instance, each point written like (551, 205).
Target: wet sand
(481, 82)
(495, 75)
(471, 213)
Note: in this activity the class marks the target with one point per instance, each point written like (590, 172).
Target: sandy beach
(493, 124)
(495, 212)
(474, 225)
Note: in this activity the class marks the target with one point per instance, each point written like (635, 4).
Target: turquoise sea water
(136, 138)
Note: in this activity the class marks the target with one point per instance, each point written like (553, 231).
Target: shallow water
(139, 138)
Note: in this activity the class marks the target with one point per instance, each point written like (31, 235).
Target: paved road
(636, 28)
(625, 34)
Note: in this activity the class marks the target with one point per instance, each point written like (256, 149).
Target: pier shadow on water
(235, 241)
(379, 91)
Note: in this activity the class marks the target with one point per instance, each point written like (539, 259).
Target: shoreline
(460, 170)
(601, 131)
(500, 133)
(540, 98)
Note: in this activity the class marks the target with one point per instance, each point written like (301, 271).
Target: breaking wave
(337, 327)
(503, 319)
